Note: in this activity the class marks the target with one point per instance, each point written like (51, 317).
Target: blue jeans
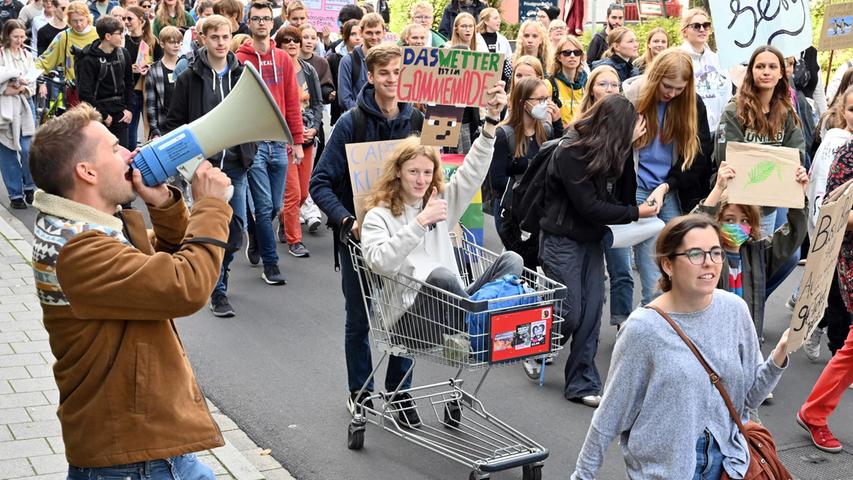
(182, 467)
(621, 283)
(709, 459)
(644, 252)
(136, 111)
(15, 169)
(356, 339)
(266, 183)
(768, 223)
(237, 225)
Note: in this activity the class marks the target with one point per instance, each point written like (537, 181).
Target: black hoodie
(197, 91)
(104, 80)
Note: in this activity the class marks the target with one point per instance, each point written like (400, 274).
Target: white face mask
(540, 112)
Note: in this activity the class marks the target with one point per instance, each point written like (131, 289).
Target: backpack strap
(355, 71)
(555, 92)
(359, 127)
(510, 138)
(417, 122)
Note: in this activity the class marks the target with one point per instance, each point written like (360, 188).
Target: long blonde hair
(588, 101)
(680, 122)
(572, 41)
(615, 36)
(520, 93)
(646, 60)
(484, 17)
(180, 15)
(454, 38)
(544, 52)
(388, 190)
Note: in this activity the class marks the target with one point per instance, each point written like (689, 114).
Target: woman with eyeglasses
(568, 77)
(590, 184)
(657, 41)
(623, 48)
(138, 32)
(533, 40)
(172, 12)
(46, 26)
(673, 157)
(712, 82)
(672, 422)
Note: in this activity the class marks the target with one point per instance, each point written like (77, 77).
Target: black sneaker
(352, 402)
(28, 197)
(298, 249)
(18, 203)
(220, 307)
(272, 275)
(281, 237)
(407, 410)
(252, 252)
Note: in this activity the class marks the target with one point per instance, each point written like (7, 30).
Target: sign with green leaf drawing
(765, 175)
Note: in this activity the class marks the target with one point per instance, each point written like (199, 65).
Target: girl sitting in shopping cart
(410, 214)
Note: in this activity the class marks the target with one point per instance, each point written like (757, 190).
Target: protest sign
(527, 8)
(324, 13)
(837, 30)
(442, 125)
(742, 26)
(142, 54)
(765, 175)
(651, 9)
(441, 76)
(365, 165)
(820, 265)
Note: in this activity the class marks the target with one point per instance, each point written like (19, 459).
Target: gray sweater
(659, 399)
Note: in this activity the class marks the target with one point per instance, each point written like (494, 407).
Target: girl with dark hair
(17, 124)
(590, 184)
(762, 113)
(654, 375)
(350, 38)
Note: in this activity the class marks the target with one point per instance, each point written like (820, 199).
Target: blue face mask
(735, 234)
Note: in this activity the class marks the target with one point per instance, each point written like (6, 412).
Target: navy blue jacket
(624, 68)
(330, 183)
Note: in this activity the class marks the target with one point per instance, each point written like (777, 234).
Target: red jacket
(276, 69)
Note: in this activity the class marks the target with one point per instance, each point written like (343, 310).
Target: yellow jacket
(58, 55)
(570, 94)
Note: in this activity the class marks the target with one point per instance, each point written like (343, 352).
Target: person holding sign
(672, 421)
(381, 118)
(590, 184)
(838, 374)
(762, 113)
(752, 256)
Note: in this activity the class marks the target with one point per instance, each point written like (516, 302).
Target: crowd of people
(637, 135)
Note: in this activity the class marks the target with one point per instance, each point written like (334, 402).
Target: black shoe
(407, 410)
(220, 307)
(18, 203)
(272, 275)
(252, 252)
(352, 402)
(28, 196)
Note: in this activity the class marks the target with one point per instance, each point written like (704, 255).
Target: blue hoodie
(330, 183)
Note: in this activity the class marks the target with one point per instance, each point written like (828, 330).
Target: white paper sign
(742, 26)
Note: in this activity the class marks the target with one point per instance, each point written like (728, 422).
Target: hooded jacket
(712, 82)
(196, 92)
(58, 54)
(597, 46)
(453, 9)
(330, 183)
(276, 68)
(347, 91)
(110, 92)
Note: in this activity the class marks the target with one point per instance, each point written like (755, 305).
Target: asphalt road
(278, 370)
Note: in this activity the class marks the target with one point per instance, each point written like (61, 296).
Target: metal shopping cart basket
(412, 319)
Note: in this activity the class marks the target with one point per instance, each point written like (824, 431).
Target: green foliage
(818, 7)
(671, 25)
(400, 17)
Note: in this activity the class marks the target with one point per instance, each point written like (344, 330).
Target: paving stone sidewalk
(30, 437)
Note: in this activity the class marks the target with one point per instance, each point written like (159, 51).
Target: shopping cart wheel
(531, 472)
(452, 414)
(355, 436)
(478, 476)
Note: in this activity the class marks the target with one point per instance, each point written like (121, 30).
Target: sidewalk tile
(6, 349)
(47, 476)
(32, 384)
(225, 423)
(52, 396)
(261, 462)
(30, 346)
(5, 387)
(21, 324)
(48, 357)
(12, 400)
(8, 373)
(36, 371)
(11, 336)
(6, 291)
(44, 428)
(5, 434)
(21, 297)
(224, 477)
(6, 317)
(53, 463)
(24, 448)
(278, 474)
(13, 415)
(26, 314)
(23, 290)
(21, 360)
(56, 444)
(40, 334)
(236, 463)
(18, 467)
(239, 440)
(45, 412)
(213, 463)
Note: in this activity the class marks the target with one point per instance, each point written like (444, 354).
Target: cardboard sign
(837, 30)
(651, 9)
(324, 13)
(442, 124)
(365, 162)
(820, 265)
(141, 56)
(442, 76)
(766, 175)
(742, 26)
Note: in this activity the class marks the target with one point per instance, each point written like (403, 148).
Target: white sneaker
(811, 347)
(532, 368)
(591, 400)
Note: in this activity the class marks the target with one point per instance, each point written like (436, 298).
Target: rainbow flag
(472, 219)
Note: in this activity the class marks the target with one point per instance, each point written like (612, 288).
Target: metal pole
(594, 13)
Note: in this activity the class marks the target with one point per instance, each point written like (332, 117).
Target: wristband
(491, 121)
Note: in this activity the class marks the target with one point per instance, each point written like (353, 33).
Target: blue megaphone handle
(160, 159)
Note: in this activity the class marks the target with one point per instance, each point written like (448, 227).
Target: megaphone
(248, 114)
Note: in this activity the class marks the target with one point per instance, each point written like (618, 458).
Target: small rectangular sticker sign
(520, 334)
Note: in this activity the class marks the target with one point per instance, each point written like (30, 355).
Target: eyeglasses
(539, 99)
(144, 5)
(699, 26)
(261, 19)
(288, 40)
(465, 27)
(127, 19)
(606, 85)
(571, 53)
(696, 256)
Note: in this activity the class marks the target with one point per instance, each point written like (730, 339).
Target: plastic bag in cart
(496, 291)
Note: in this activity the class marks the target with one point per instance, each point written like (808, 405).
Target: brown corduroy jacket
(127, 392)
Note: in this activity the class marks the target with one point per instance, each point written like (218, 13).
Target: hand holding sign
(767, 175)
(435, 210)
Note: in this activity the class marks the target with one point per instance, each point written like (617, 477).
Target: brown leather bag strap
(715, 379)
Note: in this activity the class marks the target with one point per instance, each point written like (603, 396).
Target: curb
(240, 458)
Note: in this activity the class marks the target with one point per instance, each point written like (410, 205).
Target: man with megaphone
(128, 398)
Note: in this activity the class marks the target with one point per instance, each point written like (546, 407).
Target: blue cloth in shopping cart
(496, 292)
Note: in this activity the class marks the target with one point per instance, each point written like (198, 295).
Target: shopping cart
(412, 319)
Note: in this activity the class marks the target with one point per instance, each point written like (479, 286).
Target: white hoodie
(712, 82)
(833, 139)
